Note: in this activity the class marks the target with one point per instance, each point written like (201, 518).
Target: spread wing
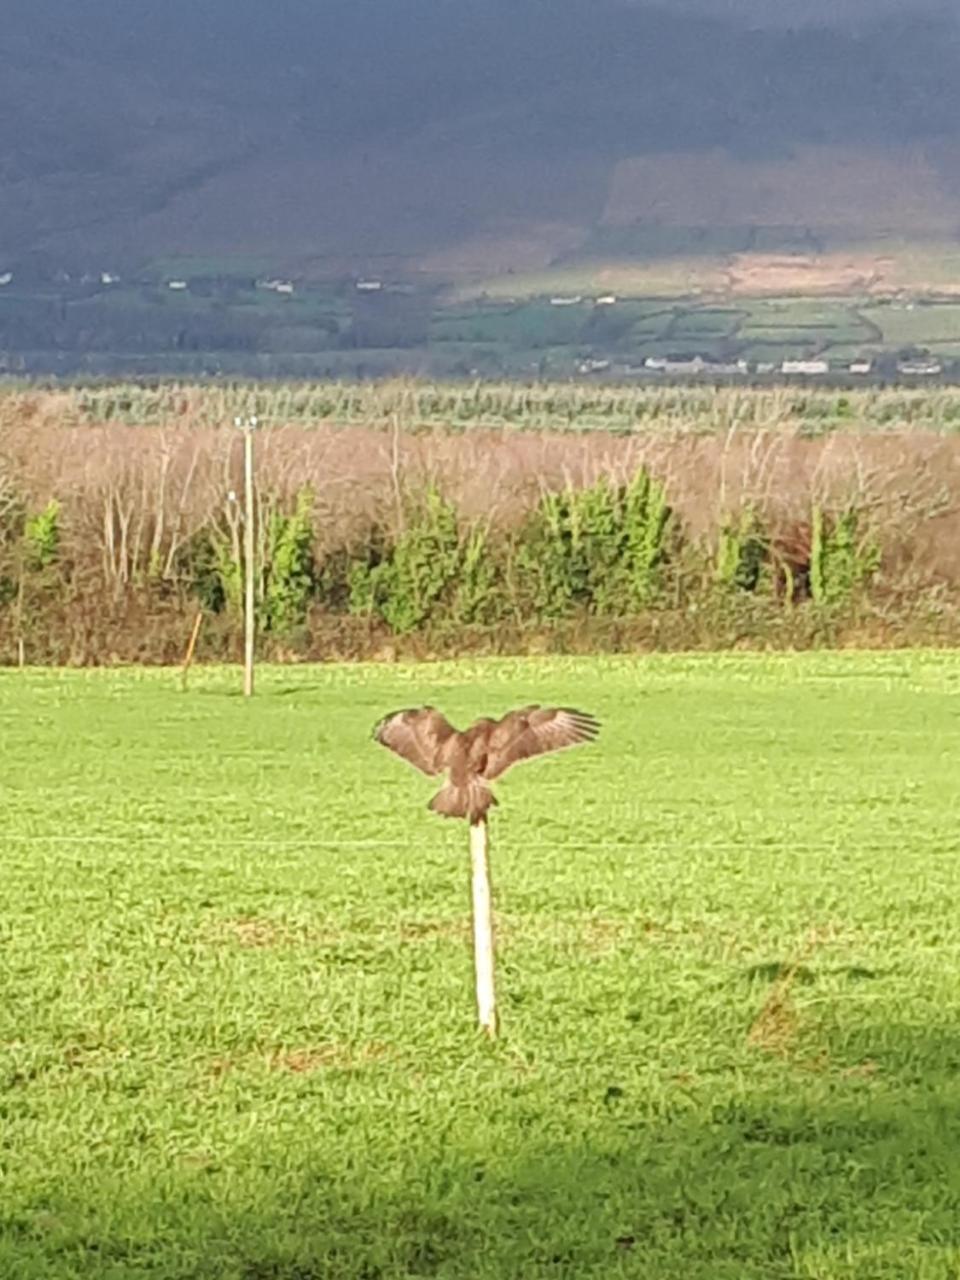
(532, 731)
(418, 734)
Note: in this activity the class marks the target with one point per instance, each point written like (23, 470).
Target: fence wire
(518, 842)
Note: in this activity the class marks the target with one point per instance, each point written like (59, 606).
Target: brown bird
(473, 757)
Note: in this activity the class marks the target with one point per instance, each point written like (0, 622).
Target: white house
(807, 367)
(276, 286)
(369, 286)
(566, 302)
(607, 300)
(107, 277)
(695, 365)
(861, 366)
(177, 285)
(6, 278)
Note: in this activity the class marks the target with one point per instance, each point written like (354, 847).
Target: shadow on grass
(827, 1177)
(262, 693)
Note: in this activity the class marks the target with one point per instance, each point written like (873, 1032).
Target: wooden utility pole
(483, 949)
(248, 426)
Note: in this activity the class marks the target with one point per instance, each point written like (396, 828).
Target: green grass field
(236, 1032)
(936, 324)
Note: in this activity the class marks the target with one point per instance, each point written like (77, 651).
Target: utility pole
(248, 426)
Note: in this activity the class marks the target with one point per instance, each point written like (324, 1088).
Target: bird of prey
(473, 757)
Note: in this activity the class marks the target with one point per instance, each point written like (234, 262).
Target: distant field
(643, 408)
(536, 324)
(648, 327)
(236, 1039)
(919, 324)
(663, 278)
(751, 291)
(183, 266)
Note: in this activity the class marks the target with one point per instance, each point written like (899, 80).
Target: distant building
(919, 368)
(177, 285)
(107, 277)
(806, 367)
(766, 366)
(566, 302)
(593, 366)
(6, 278)
(369, 286)
(695, 365)
(276, 286)
(861, 366)
(607, 300)
(677, 364)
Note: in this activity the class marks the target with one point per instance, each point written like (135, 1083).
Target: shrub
(430, 573)
(12, 519)
(212, 564)
(289, 576)
(603, 549)
(743, 552)
(842, 559)
(41, 537)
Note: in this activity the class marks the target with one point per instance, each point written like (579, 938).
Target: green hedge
(607, 551)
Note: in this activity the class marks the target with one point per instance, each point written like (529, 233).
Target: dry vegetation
(133, 500)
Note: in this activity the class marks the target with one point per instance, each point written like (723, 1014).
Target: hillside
(469, 138)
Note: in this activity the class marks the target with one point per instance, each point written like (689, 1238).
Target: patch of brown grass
(337, 1056)
(434, 930)
(861, 1071)
(258, 931)
(302, 1061)
(251, 932)
(776, 1026)
(599, 935)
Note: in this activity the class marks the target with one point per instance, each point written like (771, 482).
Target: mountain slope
(433, 132)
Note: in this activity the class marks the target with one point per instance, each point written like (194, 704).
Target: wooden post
(483, 949)
(21, 645)
(248, 425)
(188, 659)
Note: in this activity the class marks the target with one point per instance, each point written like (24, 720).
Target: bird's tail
(471, 801)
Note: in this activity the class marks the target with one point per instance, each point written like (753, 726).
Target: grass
(236, 266)
(939, 323)
(629, 277)
(793, 324)
(236, 1039)
(533, 325)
